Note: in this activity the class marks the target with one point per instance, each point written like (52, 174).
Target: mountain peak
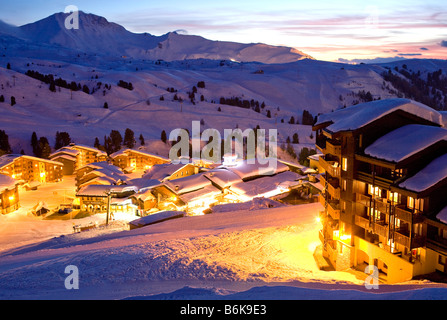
(96, 35)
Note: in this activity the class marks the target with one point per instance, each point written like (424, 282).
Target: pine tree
(34, 142)
(295, 138)
(13, 101)
(116, 140)
(43, 148)
(52, 86)
(142, 142)
(106, 105)
(8, 66)
(5, 147)
(163, 136)
(96, 144)
(62, 139)
(129, 138)
(2, 98)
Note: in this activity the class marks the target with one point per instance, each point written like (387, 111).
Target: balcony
(331, 187)
(333, 148)
(376, 180)
(381, 229)
(363, 199)
(401, 238)
(382, 205)
(331, 167)
(362, 222)
(402, 213)
(405, 214)
(333, 208)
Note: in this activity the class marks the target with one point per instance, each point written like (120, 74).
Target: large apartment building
(130, 160)
(30, 169)
(75, 156)
(385, 187)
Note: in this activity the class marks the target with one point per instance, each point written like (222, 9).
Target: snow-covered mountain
(100, 54)
(96, 35)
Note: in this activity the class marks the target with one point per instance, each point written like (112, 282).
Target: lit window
(393, 196)
(410, 202)
(344, 164)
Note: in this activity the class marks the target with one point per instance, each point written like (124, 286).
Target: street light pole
(108, 206)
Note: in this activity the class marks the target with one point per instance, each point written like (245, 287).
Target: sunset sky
(327, 30)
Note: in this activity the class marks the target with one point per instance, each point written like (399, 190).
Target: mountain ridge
(96, 35)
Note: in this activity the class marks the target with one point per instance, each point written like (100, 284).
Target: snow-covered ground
(248, 254)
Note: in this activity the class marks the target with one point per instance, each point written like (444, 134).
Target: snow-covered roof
(266, 184)
(127, 151)
(64, 157)
(208, 191)
(143, 183)
(6, 183)
(162, 171)
(99, 180)
(188, 184)
(444, 118)
(82, 146)
(442, 215)
(222, 177)
(103, 165)
(405, 142)
(156, 217)
(100, 190)
(434, 172)
(246, 170)
(144, 195)
(358, 116)
(8, 159)
(65, 150)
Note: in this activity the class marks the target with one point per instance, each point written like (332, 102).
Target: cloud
(409, 54)
(443, 43)
(423, 48)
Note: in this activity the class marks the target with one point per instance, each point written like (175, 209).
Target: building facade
(129, 160)
(9, 195)
(383, 180)
(31, 169)
(75, 156)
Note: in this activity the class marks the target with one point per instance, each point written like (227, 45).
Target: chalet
(30, 169)
(145, 201)
(384, 183)
(129, 160)
(196, 192)
(9, 195)
(101, 172)
(75, 156)
(94, 198)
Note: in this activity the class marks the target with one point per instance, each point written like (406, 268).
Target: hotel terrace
(385, 187)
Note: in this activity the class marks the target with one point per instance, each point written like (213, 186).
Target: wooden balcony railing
(332, 190)
(362, 222)
(333, 210)
(402, 214)
(402, 239)
(381, 230)
(331, 167)
(382, 206)
(333, 148)
(363, 199)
